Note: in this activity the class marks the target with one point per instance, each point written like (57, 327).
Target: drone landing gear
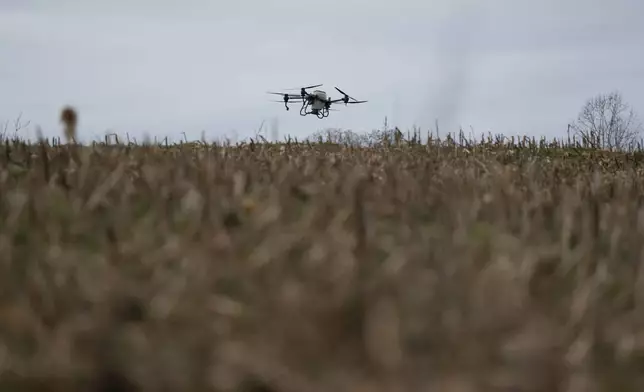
(319, 113)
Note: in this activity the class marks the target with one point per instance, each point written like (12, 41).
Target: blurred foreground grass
(319, 267)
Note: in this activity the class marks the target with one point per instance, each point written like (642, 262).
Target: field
(300, 267)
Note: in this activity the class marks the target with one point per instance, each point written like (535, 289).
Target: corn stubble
(318, 267)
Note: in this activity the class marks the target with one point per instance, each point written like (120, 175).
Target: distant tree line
(605, 121)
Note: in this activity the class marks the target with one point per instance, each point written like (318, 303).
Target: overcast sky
(512, 67)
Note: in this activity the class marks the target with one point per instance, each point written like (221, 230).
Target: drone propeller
(347, 96)
(284, 94)
(303, 88)
(287, 97)
(303, 92)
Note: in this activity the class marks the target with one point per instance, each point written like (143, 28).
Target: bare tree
(606, 121)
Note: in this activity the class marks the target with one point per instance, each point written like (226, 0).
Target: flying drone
(319, 102)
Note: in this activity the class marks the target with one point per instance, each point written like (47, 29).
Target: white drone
(318, 100)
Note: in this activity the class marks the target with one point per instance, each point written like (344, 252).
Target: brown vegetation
(321, 267)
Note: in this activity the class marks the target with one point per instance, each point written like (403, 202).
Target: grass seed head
(69, 118)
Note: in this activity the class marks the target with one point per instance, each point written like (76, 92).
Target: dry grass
(316, 267)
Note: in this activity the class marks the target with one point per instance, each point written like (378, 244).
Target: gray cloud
(507, 66)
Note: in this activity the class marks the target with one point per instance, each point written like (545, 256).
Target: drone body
(318, 101)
